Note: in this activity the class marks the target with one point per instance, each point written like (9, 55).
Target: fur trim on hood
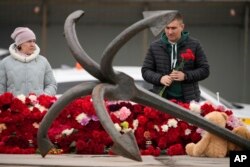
(25, 59)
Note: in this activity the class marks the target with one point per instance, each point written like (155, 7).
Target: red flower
(188, 55)
(81, 146)
(207, 108)
(151, 151)
(87, 106)
(185, 57)
(6, 99)
(157, 152)
(151, 113)
(139, 135)
(142, 120)
(229, 112)
(195, 137)
(137, 108)
(46, 100)
(16, 141)
(176, 149)
(114, 118)
(162, 143)
(184, 127)
(173, 136)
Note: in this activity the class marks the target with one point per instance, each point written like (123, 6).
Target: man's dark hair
(178, 16)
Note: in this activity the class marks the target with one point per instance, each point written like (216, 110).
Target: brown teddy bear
(210, 145)
(241, 131)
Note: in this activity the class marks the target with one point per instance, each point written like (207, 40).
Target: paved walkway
(187, 161)
(74, 160)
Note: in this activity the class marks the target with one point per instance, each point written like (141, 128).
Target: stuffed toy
(210, 145)
(241, 131)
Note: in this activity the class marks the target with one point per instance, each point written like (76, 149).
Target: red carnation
(176, 149)
(185, 57)
(137, 108)
(151, 113)
(195, 137)
(151, 151)
(46, 100)
(6, 99)
(207, 108)
(114, 118)
(162, 144)
(188, 56)
(142, 120)
(173, 136)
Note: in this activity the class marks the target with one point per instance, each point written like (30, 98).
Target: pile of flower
(78, 130)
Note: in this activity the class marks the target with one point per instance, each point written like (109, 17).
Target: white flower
(68, 132)
(33, 99)
(172, 123)
(40, 108)
(187, 132)
(2, 127)
(200, 131)
(80, 117)
(135, 124)
(195, 107)
(118, 127)
(164, 128)
(35, 125)
(156, 127)
(22, 98)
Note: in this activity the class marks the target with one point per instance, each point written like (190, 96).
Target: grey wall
(94, 40)
(224, 51)
(221, 34)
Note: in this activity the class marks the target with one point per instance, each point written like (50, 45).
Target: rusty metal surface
(115, 85)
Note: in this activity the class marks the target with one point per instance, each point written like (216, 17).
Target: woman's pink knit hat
(22, 34)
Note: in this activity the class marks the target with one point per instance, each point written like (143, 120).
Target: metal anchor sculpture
(119, 86)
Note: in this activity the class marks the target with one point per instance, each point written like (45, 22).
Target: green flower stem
(162, 91)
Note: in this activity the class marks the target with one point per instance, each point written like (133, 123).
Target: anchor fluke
(127, 147)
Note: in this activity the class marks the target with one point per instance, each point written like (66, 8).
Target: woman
(25, 71)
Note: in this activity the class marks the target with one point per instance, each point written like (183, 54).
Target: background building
(222, 26)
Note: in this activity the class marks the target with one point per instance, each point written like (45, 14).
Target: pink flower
(123, 113)
(234, 122)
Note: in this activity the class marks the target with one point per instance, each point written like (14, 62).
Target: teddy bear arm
(201, 146)
(242, 131)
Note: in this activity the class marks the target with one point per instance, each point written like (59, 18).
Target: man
(161, 66)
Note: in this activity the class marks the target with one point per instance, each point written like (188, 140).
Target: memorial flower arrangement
(78, 130)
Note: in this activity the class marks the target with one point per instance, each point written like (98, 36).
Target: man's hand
(177, 75)
(166, 80)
